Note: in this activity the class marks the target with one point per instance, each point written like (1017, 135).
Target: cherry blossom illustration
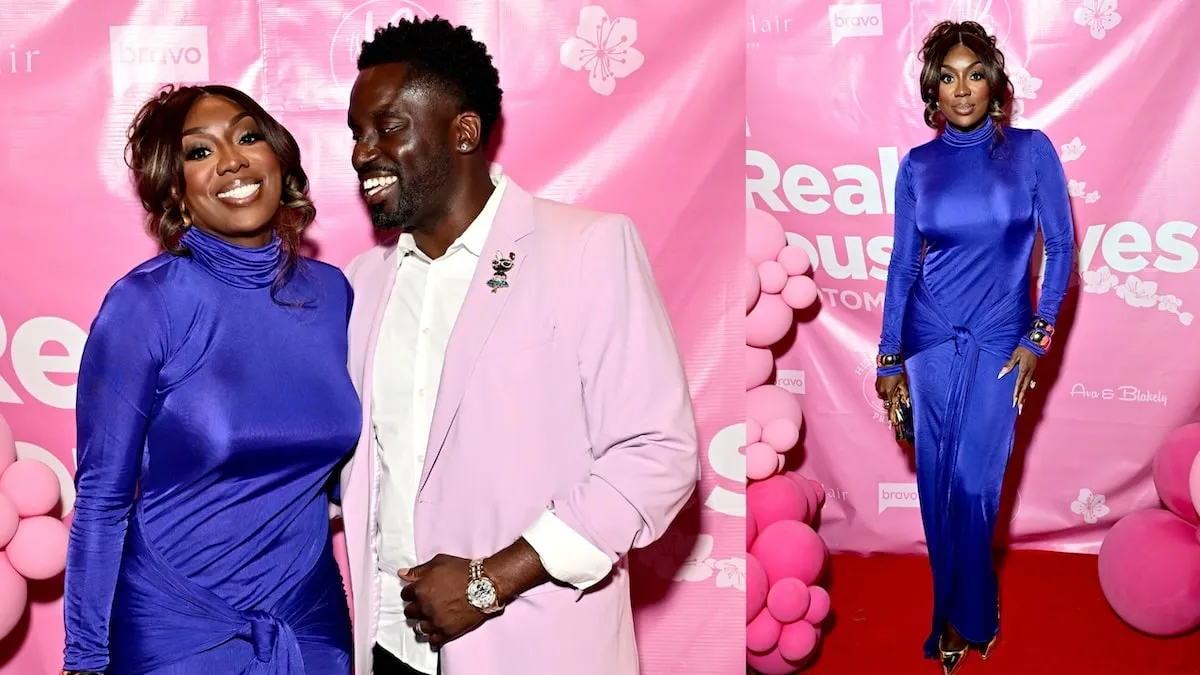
(1092, 197)
(1076, 188)
(1135, 292)
(603, 47)
(1099, 16)
(1138, 293)
(731, 573)
(1024, 84)
(1100, 280)
(1072, 151)
(1089, 505)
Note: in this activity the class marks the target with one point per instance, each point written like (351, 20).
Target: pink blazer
(566, 390)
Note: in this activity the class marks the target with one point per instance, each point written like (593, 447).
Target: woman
(960, 335)
(213, 406)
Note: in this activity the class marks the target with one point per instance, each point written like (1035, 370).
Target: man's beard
(413, 197)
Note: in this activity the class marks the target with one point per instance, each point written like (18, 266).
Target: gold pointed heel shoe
(989, 648)
(952, 661)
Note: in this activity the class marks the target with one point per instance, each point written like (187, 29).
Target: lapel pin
(501, 265)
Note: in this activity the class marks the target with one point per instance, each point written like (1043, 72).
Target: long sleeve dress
(957, 303)
(212, 412)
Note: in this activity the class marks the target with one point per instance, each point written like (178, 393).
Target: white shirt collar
(476, 234)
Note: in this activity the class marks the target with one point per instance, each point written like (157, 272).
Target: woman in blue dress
(961, 338)
(213, 407)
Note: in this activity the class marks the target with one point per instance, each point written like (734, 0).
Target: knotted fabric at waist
(994, 329)
(172, 618)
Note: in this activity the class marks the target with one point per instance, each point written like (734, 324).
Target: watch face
(481, 593)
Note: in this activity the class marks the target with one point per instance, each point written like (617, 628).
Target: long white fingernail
(1000, 376)
(1020, 408)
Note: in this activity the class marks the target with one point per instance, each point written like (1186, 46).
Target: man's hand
(436, 599)
(436, 595)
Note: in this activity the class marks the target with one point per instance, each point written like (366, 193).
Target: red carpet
(1054, 620)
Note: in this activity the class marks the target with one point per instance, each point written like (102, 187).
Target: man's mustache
(379, 167)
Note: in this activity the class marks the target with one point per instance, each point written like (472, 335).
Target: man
(526, 417)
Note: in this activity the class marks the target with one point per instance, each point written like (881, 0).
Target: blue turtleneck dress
(211, 416)
(968, 208)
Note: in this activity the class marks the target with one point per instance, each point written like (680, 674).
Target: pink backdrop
(833, 106)
(650, 128)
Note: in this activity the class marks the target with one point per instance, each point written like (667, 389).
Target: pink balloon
(14, 593)
(781, 434)
(794, 259)
(788, 600)
(790, 548)
(8, 521)
(752, 287)
(39, 548)
(768, 403)
(760, 461)
(818, 490)
(751, 528)
(813, 493)
(1172, 467)
(31, 486)
(797, 641)
(818, 606)
(772, 277)
(756, 586)
(753, 431)
(1149, 566)
(768, 322)
(1194, 483)
(773, 663)
(762, 632)
(800, 292)
(764, 236)
(8, 445)
(759, 364)
(775, 499)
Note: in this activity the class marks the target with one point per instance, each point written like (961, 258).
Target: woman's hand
(1025, 362)
(892, 388)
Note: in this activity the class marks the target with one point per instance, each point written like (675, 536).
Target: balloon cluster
(1150, 560)
(785, 557)
(33, 545)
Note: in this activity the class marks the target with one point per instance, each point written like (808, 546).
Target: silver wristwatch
(481, 592)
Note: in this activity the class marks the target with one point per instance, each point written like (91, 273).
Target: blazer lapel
(514, 220)
(377, 293)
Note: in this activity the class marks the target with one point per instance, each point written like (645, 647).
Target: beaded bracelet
(1040, 333)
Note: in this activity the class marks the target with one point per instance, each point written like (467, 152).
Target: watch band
(477, 575)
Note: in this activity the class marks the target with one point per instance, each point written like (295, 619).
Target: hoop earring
(183, 215)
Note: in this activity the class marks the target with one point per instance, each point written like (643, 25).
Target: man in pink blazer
(526, 417)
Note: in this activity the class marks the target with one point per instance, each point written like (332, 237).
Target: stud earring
(462, 146)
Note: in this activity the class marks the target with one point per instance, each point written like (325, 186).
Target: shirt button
(425, 332)
(421, 393)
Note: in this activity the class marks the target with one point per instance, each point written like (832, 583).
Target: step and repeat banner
(833, 106)
(618, 105)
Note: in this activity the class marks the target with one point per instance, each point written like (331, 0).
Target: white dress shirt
(417, 323)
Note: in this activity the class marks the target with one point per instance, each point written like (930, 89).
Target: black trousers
(386, 663)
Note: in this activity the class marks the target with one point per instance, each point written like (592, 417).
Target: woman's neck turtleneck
(982, 133)
(237, 266)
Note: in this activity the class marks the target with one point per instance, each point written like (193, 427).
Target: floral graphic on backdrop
(603, 47)
(680, 558)
(1089, 505)
(1099, 16)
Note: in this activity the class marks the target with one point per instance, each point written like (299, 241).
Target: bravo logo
(151, 55)
(41, 347)
(857, 190)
